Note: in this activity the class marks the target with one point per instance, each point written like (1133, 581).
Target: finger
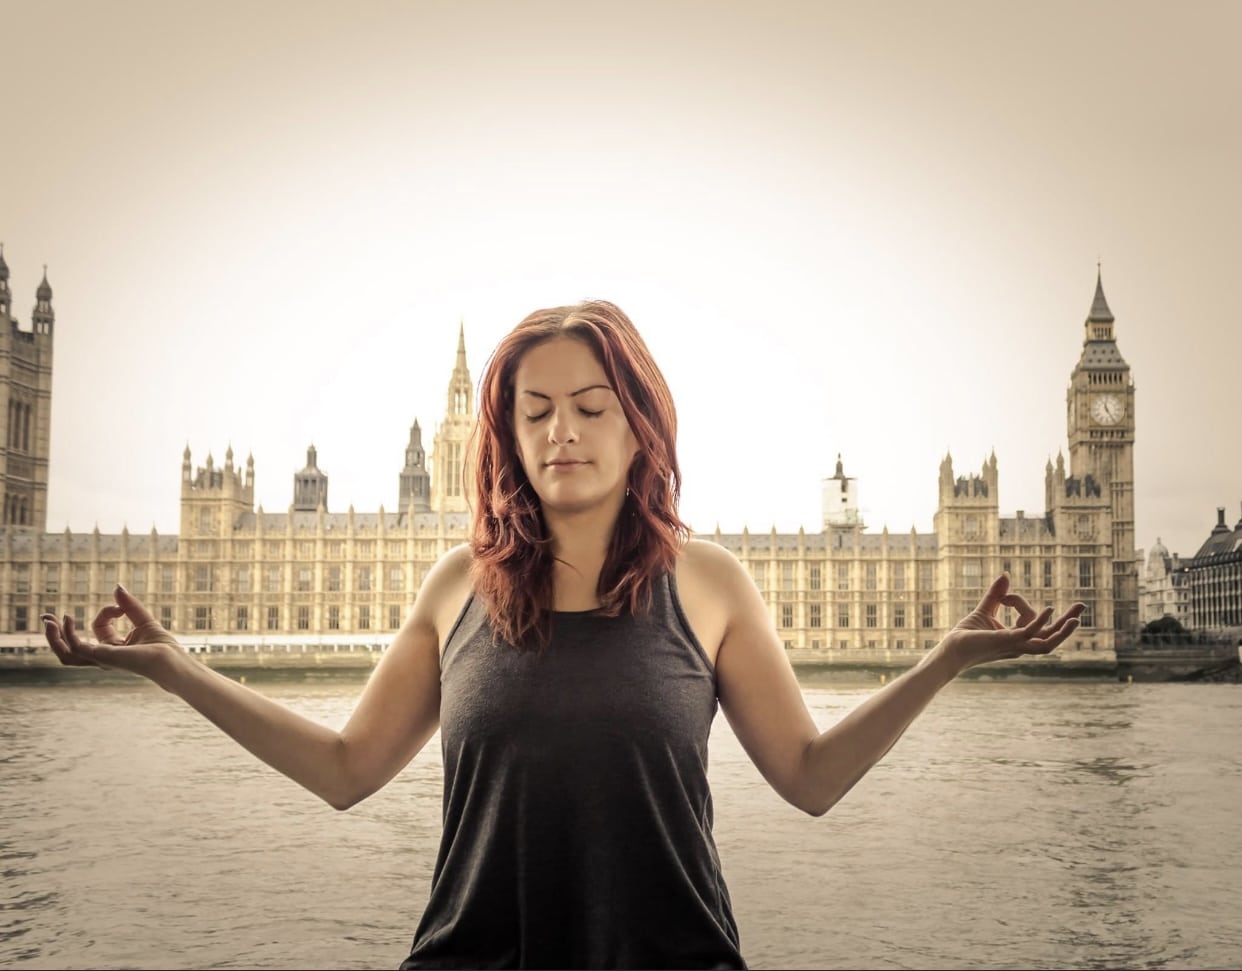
(1019, 603)
(60, 647)
(102, 627)
(1035, 627)
(85, 650)
(1053, 641)
(995, 595)
(134, 609)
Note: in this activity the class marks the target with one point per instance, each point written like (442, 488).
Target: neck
(580, 543)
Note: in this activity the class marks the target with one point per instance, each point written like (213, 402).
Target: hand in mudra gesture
(979, 637)
(146, 650)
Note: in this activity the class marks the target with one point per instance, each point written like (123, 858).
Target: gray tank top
(577, 814)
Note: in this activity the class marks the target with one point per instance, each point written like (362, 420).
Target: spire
(5, 296)
(1099, 306)
(44, 293)
(460, 391)
(840, 468)
(43, 317)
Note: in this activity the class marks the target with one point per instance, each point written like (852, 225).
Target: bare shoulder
(709, 581)
(708, 564)
(444, 592)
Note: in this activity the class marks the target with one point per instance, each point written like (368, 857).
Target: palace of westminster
(237, 574)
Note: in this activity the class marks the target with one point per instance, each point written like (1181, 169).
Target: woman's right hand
(147, 650)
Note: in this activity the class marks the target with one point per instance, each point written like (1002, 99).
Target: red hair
(512, 563)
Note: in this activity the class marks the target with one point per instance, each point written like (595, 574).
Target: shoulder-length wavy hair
(513, 558)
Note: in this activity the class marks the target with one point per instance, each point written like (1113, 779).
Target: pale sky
(862, 228)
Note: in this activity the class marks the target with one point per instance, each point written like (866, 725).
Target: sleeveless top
(577, 814)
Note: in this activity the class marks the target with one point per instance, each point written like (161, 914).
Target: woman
(573, 655)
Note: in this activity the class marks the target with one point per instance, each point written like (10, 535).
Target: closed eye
(543, 415)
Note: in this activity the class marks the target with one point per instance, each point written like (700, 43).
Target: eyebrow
(572, 394)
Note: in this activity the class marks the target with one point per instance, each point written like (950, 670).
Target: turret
(310, 486)
(414, 486)
(6, 295)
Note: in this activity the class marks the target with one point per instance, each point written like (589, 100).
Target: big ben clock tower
(1100, 406)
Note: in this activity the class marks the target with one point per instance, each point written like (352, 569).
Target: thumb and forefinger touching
(1032, 624)
(62, 635)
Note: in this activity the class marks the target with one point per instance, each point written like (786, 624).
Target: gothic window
(305, 578)
(816, 583)
(243, 579)
(929, 615)
(843, 576)
(1026, 573)
(817, 615)
(364, 617)
(871, 576)
(871, 615)
(396, 578)
(273, 618)
(899, 615)
(1047, 573)
(843, 615)
(394, 616)
(51, 578)
(21, 582)
(334, 618)
(166, 618)
(202, 618)
(304, 618)
(334, 579)
(760, 573)
(1086, 573)
(899, 576)
(243, 618)
(787, 615)
(787, 575)
(167, 579)
(364, 578)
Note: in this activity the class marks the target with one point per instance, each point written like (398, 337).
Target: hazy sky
(863, 228)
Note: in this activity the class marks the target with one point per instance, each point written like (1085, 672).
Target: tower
(448, 457)
(26, 402)
(310, 486)
(1100, 419)
(415, 483)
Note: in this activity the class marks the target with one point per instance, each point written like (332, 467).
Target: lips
(555, 463)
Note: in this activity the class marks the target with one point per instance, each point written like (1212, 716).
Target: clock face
(1107, 409)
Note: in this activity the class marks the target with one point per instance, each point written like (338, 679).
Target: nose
(561, 429)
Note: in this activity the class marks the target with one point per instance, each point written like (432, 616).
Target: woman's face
(572, 436)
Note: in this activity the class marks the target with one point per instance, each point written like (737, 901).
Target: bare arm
(398, 712)
(763, 701)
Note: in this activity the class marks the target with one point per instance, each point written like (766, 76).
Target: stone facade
(1165, 593)
(234, 570)
(1213, 579)
(26, 402)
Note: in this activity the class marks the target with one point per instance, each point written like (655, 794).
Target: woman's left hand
(979, 638)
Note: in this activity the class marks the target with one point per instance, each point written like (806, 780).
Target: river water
(1016, 825)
